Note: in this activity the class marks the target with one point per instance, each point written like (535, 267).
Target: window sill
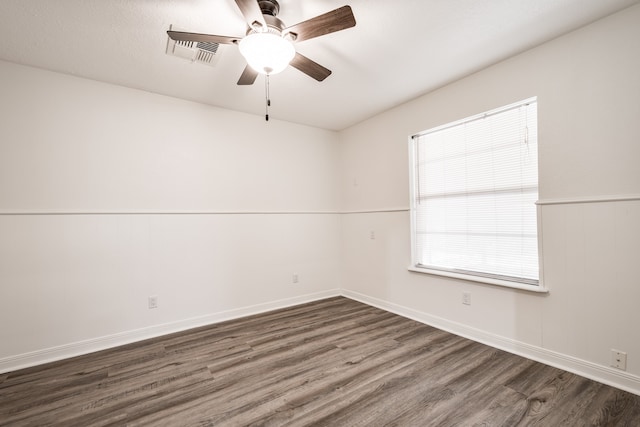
(504, 283)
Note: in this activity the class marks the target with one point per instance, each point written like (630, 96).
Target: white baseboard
(603, 374)
(66, 351)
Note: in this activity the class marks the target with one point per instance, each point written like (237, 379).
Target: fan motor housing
(269, 7)
(274, 25)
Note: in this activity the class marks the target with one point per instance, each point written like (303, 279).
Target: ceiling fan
(268, 43)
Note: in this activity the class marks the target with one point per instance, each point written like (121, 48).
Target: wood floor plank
(407, 383)
(365, 382)
(608, 407)
(334, 362)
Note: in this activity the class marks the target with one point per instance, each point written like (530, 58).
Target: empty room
(337, 213)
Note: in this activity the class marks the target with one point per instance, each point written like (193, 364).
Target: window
(474, 189)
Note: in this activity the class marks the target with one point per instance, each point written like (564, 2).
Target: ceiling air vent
(202, 52)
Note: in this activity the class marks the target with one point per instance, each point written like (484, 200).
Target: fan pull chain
(267, 96)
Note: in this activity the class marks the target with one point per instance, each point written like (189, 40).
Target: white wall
(588, 93)
(109, 195)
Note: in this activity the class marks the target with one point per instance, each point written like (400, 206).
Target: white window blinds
(475, 185)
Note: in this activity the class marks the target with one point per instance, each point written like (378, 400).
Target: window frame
(477, 277)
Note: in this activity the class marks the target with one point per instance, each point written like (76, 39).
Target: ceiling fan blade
(248, 76)
(252, 13)
(310, 68)
(330, 22)
(206, 38)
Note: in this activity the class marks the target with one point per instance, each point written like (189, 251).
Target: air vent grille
(202, 52)
(209, 47)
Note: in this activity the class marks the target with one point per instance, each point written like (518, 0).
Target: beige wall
(109, 195)
(588, 93)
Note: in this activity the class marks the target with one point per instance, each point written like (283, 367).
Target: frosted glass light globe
(267, 53)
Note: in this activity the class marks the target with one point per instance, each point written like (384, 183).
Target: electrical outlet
(619, 359)
(153, 301)
(466, 298)
(372, 235)
(294, 278)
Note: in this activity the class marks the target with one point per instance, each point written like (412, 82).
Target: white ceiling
(397, 51)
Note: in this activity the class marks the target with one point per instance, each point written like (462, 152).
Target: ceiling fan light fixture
(267, 53)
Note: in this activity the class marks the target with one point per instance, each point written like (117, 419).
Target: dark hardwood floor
(334, 362)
